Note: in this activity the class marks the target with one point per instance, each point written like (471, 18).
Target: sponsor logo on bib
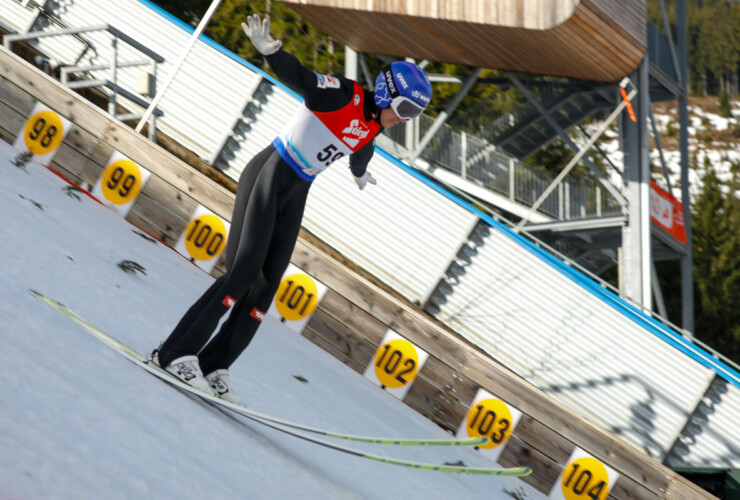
(355, 132)
(326, 82)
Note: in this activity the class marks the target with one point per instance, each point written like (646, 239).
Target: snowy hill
(80, 421)
(713, 140)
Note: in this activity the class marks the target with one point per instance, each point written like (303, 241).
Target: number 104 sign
(584, 478)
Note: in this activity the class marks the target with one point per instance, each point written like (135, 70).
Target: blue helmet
(404, 87)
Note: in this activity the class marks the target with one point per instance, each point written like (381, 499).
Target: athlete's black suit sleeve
(306, 83)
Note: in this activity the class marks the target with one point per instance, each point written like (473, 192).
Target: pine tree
(716, 242)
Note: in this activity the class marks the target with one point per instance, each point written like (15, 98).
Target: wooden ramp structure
(355, 313)
(596, 40)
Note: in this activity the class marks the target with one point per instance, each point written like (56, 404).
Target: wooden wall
(599, 40)
(355, 313)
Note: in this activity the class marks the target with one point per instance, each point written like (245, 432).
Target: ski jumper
(337, 119)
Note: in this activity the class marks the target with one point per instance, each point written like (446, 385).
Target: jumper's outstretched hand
(363, 181)
(259, 34)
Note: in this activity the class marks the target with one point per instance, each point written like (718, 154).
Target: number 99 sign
(120, 183)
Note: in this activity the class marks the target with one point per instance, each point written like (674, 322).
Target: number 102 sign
(396, 364)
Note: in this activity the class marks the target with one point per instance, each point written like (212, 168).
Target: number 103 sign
(492, 418)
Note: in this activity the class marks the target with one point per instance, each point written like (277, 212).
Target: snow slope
(81, 422)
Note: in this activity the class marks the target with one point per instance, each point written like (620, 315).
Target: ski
(287, 427)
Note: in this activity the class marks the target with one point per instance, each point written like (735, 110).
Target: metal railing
(138, 96)
(477, 160)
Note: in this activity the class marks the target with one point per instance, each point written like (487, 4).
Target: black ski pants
(267, 216)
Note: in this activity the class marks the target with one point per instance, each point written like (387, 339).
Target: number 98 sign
(42, 134)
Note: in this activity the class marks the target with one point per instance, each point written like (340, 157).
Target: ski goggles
(405, 108)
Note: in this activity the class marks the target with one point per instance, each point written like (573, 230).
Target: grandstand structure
(597, 351)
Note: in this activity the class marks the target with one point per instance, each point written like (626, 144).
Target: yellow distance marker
(43, 133)
(121, 181)
(585, 479)
(396, 363)
(490, 418)
(205, 237)
(297, 297)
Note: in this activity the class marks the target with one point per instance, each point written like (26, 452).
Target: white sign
(489, 417)
(120, 183)
(204, 238)
(396, 364)
(296, 299)
(42, 134)
(584, 478)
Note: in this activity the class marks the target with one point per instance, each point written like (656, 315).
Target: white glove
(364, 180)
(259, 33)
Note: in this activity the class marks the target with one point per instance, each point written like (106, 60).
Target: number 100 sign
(204, 238)
(42, 134)
(396, 364)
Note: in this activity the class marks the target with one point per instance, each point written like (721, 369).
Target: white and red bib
(313, 140)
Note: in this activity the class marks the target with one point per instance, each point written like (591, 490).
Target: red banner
(666, 212)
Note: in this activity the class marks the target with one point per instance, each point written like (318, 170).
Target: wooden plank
(545, 471)
(590, 39)
(627, 488)
(11, 122)
(353, 319)
(356, 313)
(109, 130)
(571, 426)
(317, 337)
(334, 332)
(156, 220)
